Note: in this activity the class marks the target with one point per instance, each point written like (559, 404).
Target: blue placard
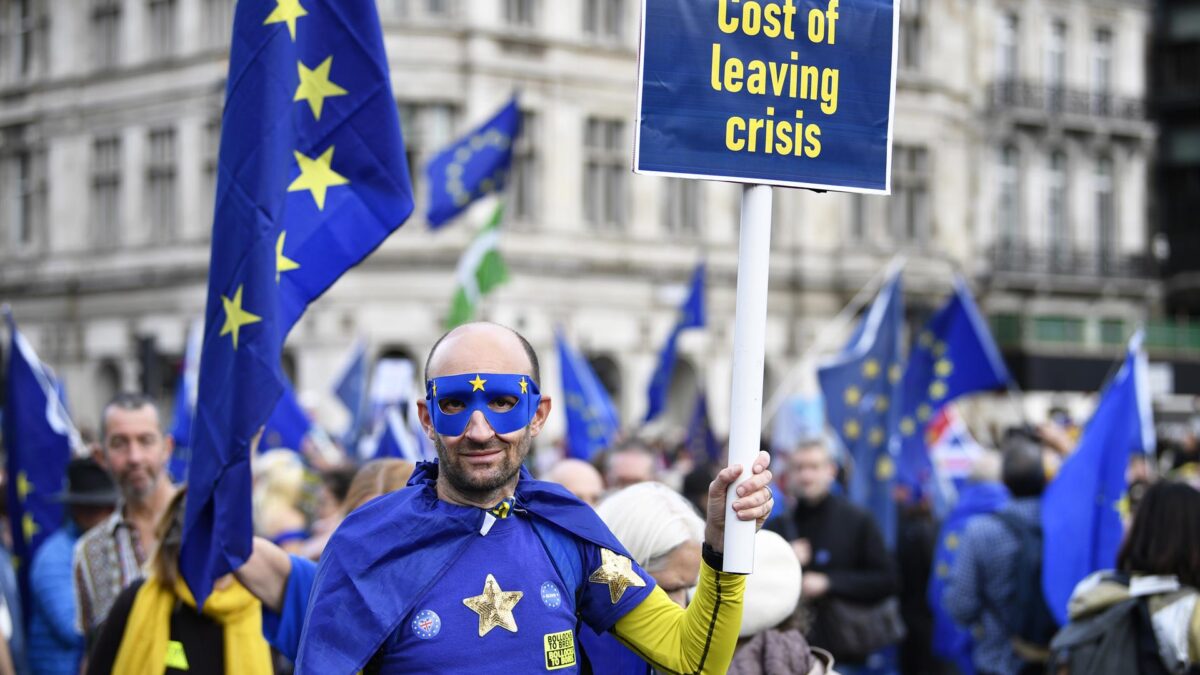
(784, 92)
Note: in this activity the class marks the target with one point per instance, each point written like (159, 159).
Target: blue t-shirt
(282, 630)
(534, 632)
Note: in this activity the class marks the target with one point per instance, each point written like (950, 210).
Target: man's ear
(426, 419)
(539, 417)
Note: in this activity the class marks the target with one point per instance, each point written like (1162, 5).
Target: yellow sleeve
(700, 639)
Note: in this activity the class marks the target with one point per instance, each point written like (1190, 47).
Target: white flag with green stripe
(479, 271)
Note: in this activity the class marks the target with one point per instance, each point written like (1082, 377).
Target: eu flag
(396, 438)
(38, 437)
(311, 178)
(700, 440)
(691, 315)
(288, 424)
(952, 642)
(592, 421)
(472, 166)
(859, 387)
(351, 390)
(953, 355)
(1081, 521)
(185, 405)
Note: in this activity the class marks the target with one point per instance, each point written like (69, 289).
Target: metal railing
(1024, 258)
(1031, 96)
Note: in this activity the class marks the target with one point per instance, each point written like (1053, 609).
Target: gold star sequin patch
(616, 571)
(494, 607)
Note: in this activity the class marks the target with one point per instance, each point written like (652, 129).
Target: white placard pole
(749, 335)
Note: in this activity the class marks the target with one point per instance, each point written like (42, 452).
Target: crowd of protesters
(827, 592)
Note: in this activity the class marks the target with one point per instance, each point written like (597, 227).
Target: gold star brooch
(617, 571)
(494, 607)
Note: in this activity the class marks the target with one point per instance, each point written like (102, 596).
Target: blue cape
(387, 554)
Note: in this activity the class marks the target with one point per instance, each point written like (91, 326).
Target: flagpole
(749, 335)
(833, 327)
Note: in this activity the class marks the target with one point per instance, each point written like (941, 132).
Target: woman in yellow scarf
(154, 626)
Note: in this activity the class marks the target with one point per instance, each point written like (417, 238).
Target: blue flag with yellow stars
(311, 178)
(592, 421)
(473, 166)
(860, 387)
(1083, 504)
(700, 440)
(38, 437)
(691, 315)
(952, 642)
(953, 355)
(288, 424)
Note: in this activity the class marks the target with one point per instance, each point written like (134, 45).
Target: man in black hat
(54, 644)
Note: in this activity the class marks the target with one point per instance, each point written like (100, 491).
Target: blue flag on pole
(396, 438)
(311, 178)
(473, 166)
(700, 441)
(860, 387)
(592, 420)
(288, 424)
(38, 437)
(952, 642)
(351, 390)
(185, 405)
(691, 315)
(953, 355)
(1081, 520)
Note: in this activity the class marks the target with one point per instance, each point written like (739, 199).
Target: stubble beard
(481, 485)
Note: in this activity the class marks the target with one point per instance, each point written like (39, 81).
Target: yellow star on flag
(924, 412)
(937, 390)
(477, 383)
(853, 396)
(851, 429)
(894, 373)
(317, 176)
(951, 541)
(876, 437)
(885, 468)
(282, 262)
(24, 487)
(870, 369)
(287, 11)
(943, 368)
(524, 386)
(315, 86)
(235, 316)
(28, 527)
(616, 571)
(494, 607)
(882, 403)
(943, 570)
(907, 426)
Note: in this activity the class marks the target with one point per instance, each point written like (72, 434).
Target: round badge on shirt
(551, 596)
(426, 624)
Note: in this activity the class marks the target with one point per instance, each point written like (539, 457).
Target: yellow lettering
(756, 81)
(726, 24)
(816, 25)
(716, 67)
(733, 75)
(831, 16)
(789, 11)
(756, 126)
(772, 26)
(813, 135)
(732, 126)
(751, 18)
(783, 137)
(829, 91)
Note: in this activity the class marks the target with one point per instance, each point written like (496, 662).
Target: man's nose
(478, 428)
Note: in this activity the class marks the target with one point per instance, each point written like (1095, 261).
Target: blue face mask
(508, 402)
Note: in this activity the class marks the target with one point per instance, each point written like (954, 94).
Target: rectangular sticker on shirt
(176, 658)
(560, 649)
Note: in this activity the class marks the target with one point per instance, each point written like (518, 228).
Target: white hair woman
(661, 530)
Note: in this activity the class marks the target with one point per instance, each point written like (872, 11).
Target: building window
(403, 9)
(210, 152)
(1106, 211)
(160, 185)
(1058, 329)
(106, 192)
(1102, 55)
(683, 206)
(106, 33)
(218, 22)
(525, 190)
(521, 13)
(22, 197)
(1112, 332)
(910, 194)
(605, 174)
(1056, 64)
(912, 27)
(161, 20)
(428, 128)
(23, 39)
(604, 19)
(1057, 229)
(1008, 198)
(1008, 48)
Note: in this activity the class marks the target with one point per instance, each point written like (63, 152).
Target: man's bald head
(579, 478)
(486, 341)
